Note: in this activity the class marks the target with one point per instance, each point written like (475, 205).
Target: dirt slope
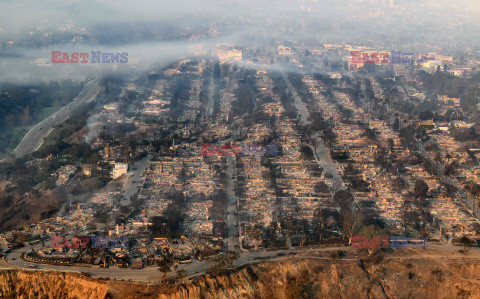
(380, 277)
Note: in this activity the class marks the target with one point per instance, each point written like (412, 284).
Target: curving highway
(34, 138)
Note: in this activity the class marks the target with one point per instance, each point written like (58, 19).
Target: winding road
(34, 138)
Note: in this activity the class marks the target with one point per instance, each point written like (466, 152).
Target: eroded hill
(384, 276)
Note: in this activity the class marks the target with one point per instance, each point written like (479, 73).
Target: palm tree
(164, 267)
(466, 242)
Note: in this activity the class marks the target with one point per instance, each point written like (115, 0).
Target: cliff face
(32, 284)
(306, 278)
(341, 279)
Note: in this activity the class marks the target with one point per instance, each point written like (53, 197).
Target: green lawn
(44, 113)
(19, 132)
(17, 136)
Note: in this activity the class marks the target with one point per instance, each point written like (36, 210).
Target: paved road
(301, 110)
(149, 274)
(211, 93)
(34, 138)
(232, 219)
(197, 268)
(322, 154)
(134, 180)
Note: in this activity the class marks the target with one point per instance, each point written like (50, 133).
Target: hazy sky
(161, 30)
(20, 16)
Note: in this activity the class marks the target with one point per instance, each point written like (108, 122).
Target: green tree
(421, 189)
(371, 232)
(343, 198)
(102, 216)
(91, 226)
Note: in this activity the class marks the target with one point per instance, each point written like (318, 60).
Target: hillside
(398, 275)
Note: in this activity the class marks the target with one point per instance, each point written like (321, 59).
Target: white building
(119, 170)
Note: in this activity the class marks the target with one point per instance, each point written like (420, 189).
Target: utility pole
(473, 208)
